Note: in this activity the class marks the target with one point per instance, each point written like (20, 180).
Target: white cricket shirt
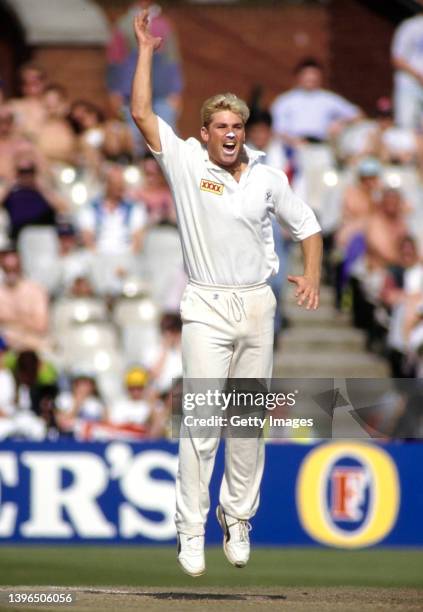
(225, 226)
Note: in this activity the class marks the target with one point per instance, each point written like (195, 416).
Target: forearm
(312, 249)
(142, 87)
(401, 64)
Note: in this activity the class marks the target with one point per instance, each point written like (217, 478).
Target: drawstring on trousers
(236, 305)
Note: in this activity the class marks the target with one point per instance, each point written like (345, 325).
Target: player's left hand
(307, 291)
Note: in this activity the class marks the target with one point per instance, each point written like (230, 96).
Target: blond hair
(220, 102)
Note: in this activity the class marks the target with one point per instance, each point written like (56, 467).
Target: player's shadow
(182, 595)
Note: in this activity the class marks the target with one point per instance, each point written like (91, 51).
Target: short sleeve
(344, 109)
(294, 214)
(173, 149)
(401, 41)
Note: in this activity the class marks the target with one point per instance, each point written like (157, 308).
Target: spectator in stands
(11, 144)
(386, 229)
(88, 123)
(138, 407)
(113, 227)
(164, 362)
(403, 284)
(29, 110)
(407, 60)
(167, 73)
(155, 194)
(31, 201)
(390, 143)
(112, 224)
(24, 306)
(57, 141)
(360, 201)
(309, 113)
(260, 136)
(118, 145)
(81, 404)
(74, 262)
(31, 416)
(81, 287)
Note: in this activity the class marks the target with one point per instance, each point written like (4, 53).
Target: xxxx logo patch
(211, 186)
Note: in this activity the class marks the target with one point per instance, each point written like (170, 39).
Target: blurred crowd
(91, 270)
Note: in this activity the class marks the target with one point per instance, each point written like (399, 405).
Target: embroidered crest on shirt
(268, 196)
(211, 187)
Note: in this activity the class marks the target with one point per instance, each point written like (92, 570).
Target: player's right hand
(143, 34)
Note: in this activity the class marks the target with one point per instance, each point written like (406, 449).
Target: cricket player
(224, 197)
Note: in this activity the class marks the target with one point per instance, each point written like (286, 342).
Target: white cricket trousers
(227, 332)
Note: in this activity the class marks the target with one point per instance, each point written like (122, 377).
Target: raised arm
(141, 99)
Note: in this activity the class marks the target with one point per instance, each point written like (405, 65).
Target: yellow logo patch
(211, 186)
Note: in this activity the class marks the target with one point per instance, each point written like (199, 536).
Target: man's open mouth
(229, 147)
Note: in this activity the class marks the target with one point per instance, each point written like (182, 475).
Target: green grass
(142, 566)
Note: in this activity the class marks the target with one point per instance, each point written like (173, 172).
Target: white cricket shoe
(191, 554)
(236, 539)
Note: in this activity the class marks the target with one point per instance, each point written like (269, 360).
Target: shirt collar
(253, 156)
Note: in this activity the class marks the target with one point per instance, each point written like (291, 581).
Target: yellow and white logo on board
(348, 494)
(211, 187)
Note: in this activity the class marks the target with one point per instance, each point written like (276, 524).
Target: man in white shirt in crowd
(309, 113)
(223, 199)
(112, 229)
(306, 118)
(407, 60)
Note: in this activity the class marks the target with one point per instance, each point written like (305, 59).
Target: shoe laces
(244, 527)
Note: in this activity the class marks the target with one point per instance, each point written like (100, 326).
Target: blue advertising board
(339, 494)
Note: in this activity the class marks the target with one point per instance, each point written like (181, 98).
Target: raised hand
(143, 34)
(307, 291)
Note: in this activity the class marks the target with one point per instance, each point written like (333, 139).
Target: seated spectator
(112, 229)
(31, 201)
(88, 123)
(118, 145)
(385, 229)
(29, 110)
(403, 284)
(31, 416)
(155, 194)
(392, 144)
(57, 141)
(164, 362)
(360, 201)
(81, 287)
(11, 145)
(23, 306)
(308, 113)
(81, 403)
(74, 262)
(137, 407)
(260, 136)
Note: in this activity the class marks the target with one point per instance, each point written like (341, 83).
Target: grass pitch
(149, 579)
(151, 567)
